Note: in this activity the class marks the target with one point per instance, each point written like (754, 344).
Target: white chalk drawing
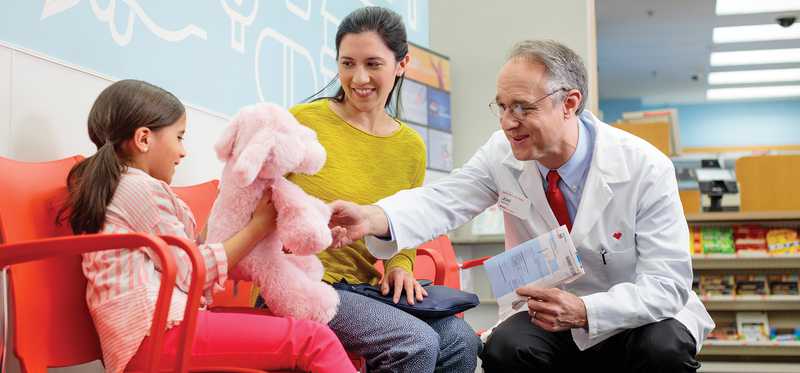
(327, 54)
(238, 23)
(290, 49)
(411, 16)
(134, 11)
(53, 7)
(294, 55)
(305, 14)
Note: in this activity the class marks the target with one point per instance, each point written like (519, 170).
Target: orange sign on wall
(428, 68)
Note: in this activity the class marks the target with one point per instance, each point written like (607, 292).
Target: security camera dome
(786, 21)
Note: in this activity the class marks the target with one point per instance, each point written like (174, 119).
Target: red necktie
(556, 199)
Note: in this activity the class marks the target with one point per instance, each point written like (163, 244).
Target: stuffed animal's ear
(224, 146)
(252, 159)
(314, 154)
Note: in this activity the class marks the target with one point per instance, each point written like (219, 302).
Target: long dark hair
(118, 111)
(389, 26)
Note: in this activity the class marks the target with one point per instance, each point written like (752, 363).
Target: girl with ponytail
(138, 129)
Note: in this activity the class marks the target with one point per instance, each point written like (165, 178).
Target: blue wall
(215, 54)
(725, 124)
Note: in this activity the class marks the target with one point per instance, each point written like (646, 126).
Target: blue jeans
(394, 341)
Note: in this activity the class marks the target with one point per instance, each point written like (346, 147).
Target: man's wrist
(378, 223)
(585, 325)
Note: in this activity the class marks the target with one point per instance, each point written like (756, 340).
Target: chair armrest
(226, 370)
(438, 263)
(473, 263)
(193, 302)
(26, 251)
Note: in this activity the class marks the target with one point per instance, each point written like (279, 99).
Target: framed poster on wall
(438, 109)
(428, 67)
(426, 107)
(440, 150)
(414, 98)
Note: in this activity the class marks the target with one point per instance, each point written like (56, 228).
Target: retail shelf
(745, 260)
(751, 302)
(742, 217)
(764, 348)
(747, 367)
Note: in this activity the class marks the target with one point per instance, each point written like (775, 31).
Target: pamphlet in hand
(547, 261)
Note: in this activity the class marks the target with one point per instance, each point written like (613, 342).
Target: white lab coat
(630, 188)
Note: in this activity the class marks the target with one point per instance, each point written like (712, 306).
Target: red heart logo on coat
(617, 235)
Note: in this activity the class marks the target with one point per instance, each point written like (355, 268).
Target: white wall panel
(201, 163)
(50, 105)
(5, 100)
(44, 106)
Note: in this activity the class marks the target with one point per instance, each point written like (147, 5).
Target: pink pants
(258, 341)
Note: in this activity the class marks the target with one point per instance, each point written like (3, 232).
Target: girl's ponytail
(91, 185)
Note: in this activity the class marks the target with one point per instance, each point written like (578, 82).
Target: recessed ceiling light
(728, 7)
(739, 34)
(755, 57)
(754, 76)
(753, 92)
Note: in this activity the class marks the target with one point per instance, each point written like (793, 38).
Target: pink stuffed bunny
(263, 143)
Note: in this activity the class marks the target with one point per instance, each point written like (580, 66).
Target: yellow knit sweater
(362, 168)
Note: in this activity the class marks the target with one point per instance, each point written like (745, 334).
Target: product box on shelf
(753, 326)
(784, 334)
(751, 285)
(783, 284)
(717, 284)
(724, 332)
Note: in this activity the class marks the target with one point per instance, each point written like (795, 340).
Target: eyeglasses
(520, 110)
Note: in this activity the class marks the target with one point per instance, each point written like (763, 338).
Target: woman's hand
(399, 280)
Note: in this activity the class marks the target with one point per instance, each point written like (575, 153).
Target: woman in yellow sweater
(372, 155)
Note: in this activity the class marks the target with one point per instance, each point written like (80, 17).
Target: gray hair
(565, 69)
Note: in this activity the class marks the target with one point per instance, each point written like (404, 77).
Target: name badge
(513, 204)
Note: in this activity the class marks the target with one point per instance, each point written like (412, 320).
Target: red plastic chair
(200, 198)
(57, 329)
(52, 327)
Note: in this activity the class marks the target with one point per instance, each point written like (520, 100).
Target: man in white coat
(555, 164)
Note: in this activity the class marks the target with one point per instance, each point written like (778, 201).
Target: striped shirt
(123, 284)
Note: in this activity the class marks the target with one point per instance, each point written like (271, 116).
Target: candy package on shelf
(717, 240)
(750, 238)
(695, 240)
(783, 241)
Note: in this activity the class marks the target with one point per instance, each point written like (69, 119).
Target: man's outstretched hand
(349, 222)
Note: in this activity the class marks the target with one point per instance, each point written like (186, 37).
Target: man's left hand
(553, 309)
